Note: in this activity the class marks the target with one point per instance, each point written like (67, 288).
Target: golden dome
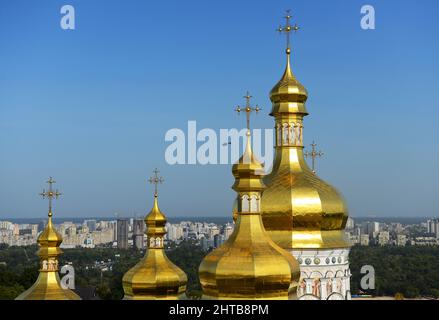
(155, 276)
(49, 240)
(48, 285)
(155, 220)
(249, 265)
(299, 210)
(247, 171)
(288, 95)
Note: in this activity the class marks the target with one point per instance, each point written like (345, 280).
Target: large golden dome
(249, 265)
(299, 210)
(155, 277)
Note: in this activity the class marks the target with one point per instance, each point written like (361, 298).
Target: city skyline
(86, 106)
(124, 233)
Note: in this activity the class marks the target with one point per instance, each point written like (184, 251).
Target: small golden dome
(155, 220)
(248, 170)
(48, 285)
(49, 241)
(288, 95)
(249, 265)
(155, 277)
(49, 237)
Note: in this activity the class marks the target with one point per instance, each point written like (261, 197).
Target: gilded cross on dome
(313, 154)
(50, 194)
(155, 180)
(248, 109)
(287, 29)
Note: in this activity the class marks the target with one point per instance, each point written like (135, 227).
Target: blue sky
(91, 106)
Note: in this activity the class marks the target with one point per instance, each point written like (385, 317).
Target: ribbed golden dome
(299, 210)
(49, 240)
(155, 277)
(288, 95)
(247, 171)
(48, 285)
(249, 265)
(155, 220)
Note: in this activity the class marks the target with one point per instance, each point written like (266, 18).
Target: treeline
(410, 271)
(21, 268)
(20, 271)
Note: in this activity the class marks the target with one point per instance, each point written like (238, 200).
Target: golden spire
(48, 286)
(155, 277)
(313, 155)
(300, 210)
(249, 265)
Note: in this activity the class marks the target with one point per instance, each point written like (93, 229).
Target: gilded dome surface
(48, 284)
(249, 265)
(288, 95)
(299, 209)
(155, 277)
(48, 287)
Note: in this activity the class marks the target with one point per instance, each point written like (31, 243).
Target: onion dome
(249, 265)
(288, 95)
(299, 209)
(155, 277)
(48, 285)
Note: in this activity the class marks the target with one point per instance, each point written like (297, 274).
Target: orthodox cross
(50, 194)
(155, 180)
(287, 29)
(248, 109)
(313, 154)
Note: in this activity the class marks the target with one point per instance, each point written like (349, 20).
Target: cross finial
(313, 154)
(287, 29)
(248, 109)
(50, 194)
(155, 180)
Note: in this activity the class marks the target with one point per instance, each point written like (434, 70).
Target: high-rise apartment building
(138, 233)
(122, 233)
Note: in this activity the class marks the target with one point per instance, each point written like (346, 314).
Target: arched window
(254, 203)
(285, 129)
(245, 203)
(291, 133)
(279, 134)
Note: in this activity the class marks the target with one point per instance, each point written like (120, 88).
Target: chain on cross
(50, 194)
(155, 180)
(287, 29)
